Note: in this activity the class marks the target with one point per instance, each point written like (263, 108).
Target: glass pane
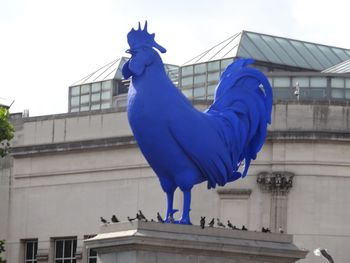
(213, 76)
(278, 50)
(248, 44)
(59, 249)
(29, 250)
(213, 66)
(211, 89)
(337, 83)
(319, 55)
(198, 92)
(68, 248)
(107, 85)
(225, 63)
(318, 82)
(74, 247)
(84, 108)
(187, 93)
(92, 260)
(74, 109)
(58, 261)
(106, 95)
(123, 87)
(67, 261)
(187, 81)
(306, 55)
(95, 106)
(337, 93)
(105, 105)
(188, 70)
(85, 89)
(96, 87)
(282, 93)
(347, 83)
(303, 82)
(264, 48)
(292, 53)
(329, 54)
(75, 90)
(347, 94)
(84, 99)
(199, 79)
(200, 68)
(92, 253)
(316, 93)
(95, 96)
(281, 82)
(340, 53)
(74, 101)
(35, 249)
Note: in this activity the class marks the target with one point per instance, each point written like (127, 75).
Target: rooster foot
(170, 216)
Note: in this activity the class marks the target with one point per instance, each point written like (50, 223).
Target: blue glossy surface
(183, 145)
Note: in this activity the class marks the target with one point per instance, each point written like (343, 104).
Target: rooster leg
(170, 210)
(186, 208)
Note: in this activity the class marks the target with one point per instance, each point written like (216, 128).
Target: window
(65, 250)
(92, 256)
(75, 90)
(95, 87)
(30, 250)
(214, 66)
(185, 71)
(85, 89)
(200, 68)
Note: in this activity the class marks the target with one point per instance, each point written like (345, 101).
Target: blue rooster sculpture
(184, 146)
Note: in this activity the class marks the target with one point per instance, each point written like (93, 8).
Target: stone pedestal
(149, 242)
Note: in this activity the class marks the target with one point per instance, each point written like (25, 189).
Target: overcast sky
(45, 45)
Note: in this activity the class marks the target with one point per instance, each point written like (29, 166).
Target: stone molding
(275, 182)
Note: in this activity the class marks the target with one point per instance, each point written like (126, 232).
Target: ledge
(180, 241)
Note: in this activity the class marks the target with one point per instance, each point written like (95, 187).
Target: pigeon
(229, 224)
(159, 218)
(211, 223)
(202, 222)
(104, 221)
(244, 228)
(131, 219)
(114, 219)
(142, 216)
(219, 223)
(281, 230)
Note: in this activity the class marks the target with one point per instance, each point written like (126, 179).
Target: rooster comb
(141, 38)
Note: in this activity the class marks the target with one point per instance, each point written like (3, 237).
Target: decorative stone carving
(276, 182)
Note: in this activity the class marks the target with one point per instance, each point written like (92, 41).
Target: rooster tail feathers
(246, 89)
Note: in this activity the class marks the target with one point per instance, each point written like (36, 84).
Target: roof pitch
(110, 71)
(273, 49)
(343, 67)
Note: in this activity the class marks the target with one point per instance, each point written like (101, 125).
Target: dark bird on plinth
(202, 222)
(131, 219)
(159, 218)
(193, 146)
(104, 221)
(324, 253)
(142, 216)
(235, 228)
(152, 220)
(281, 230)
(219, 223)
(244, 228)
(114, 219)
(211, 223)
(229, 224)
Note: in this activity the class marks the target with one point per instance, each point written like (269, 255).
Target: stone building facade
(67, 170)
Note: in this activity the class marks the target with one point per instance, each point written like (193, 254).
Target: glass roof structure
(110, 71)
(276, 50)
(343, 67)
